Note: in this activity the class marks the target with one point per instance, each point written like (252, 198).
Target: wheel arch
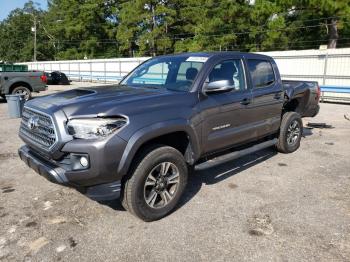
(175, 133)
(19, 83)
(298, 103)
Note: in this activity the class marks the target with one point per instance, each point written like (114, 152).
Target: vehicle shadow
(211, 176)
(307, 131)
(221, 172)
(114, 204)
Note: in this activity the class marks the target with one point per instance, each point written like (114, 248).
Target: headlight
(93, 128)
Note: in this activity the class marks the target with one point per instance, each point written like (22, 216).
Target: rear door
(267, 96)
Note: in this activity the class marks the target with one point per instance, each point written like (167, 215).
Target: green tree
(81, 29)
(333, 18)
(147, 26)
(17, 38)
(75, 29)
(267, 27)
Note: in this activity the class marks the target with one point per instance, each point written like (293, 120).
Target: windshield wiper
(141, 86)
(150, 87)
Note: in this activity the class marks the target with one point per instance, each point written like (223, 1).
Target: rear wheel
(22, 90)
(290, 133)
(156, 183)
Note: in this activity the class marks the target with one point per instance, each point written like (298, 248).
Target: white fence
(329, 67)
(107, 70)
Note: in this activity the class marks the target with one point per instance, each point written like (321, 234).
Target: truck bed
(305, 96)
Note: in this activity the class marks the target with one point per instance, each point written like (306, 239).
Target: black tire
(291, 131)
(23, 91)
(135, 191)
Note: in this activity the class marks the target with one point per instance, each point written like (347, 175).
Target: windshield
(173, 73)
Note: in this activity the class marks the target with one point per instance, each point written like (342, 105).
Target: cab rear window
(261, 72)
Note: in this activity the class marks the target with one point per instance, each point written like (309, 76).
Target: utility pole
(34, 39)
(153, 27)
(34, 30)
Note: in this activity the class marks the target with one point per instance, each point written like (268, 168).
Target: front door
(226, 120)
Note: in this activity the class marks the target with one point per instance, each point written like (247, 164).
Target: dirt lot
(263, 207)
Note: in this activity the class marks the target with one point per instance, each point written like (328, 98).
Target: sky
(6, 6)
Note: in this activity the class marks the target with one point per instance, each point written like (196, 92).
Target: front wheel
(156, 183)
(290, 133)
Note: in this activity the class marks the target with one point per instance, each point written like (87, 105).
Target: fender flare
(153, 131)
(12, 82)
(302, 95)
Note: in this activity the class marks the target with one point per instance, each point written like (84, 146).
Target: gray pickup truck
(22, 83)
(139, 140)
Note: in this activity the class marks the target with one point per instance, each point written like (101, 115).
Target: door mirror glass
(218, 86)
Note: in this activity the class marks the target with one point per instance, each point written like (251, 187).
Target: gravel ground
(263, 207)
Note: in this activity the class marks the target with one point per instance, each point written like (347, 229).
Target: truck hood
(109, 101)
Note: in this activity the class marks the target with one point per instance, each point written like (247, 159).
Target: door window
(231, 70)
(261, 72)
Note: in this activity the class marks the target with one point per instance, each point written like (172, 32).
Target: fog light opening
(84, 161)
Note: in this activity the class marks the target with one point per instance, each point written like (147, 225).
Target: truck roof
(221, 54)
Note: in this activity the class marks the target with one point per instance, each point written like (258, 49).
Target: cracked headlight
(94, 128)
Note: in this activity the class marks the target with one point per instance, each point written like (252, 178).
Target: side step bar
(237, 154)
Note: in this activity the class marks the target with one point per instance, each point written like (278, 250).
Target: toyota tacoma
(139, 140)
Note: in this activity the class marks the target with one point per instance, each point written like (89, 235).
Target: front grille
(42, 132)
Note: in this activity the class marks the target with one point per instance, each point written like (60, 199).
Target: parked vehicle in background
(13, 68)
(57, 78)
(138, 140)
(22, 83)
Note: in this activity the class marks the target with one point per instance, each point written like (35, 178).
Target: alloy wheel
(23, 92)
(293, 133)
(161, 185)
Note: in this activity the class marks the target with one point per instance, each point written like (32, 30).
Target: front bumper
(44, 168)
(59, 175)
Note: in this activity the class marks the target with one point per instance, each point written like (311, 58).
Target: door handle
(245, 101)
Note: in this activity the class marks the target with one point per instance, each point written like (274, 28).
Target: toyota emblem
(33, 122)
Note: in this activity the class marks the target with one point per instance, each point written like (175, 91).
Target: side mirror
(218, 86)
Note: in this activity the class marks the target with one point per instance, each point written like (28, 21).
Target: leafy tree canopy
(78, 29)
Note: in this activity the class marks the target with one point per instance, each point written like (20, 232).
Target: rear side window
(261, 73)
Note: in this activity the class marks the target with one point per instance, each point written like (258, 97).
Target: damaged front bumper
(57, 174)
